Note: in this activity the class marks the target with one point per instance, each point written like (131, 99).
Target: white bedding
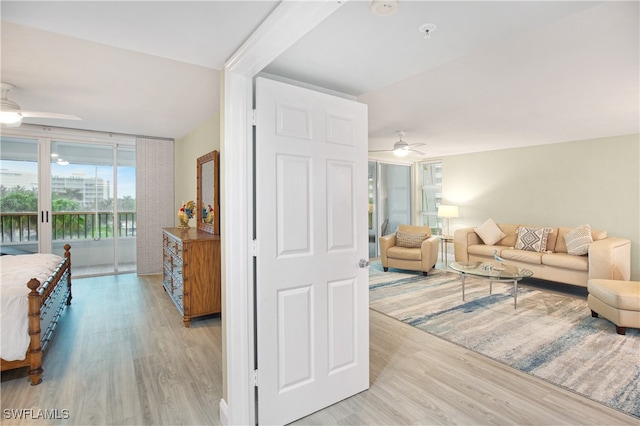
(16, 273)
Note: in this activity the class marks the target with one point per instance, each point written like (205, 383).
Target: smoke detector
(383, 7)
(427, 29)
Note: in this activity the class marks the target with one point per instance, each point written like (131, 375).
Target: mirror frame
(211, 228)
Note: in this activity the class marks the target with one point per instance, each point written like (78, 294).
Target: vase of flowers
(185, 213)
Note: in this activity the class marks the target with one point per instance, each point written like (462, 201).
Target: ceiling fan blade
(12, 114)
(37, 114)
(381, 150)
(411, 145)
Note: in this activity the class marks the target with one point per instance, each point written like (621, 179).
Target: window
(431, 189)
(62, 186)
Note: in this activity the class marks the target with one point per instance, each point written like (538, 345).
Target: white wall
(202, 140)
(567, 184)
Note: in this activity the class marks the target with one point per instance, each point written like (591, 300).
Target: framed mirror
(208, 193)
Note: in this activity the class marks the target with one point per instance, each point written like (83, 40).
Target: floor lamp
(447, 212)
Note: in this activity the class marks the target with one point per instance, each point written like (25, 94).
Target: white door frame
(289, 21)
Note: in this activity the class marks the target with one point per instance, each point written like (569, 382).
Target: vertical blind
(155, 200)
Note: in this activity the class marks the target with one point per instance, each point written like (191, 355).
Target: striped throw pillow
(578, 240)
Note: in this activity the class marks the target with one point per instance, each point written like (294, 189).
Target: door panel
(82, 176)
(342, 325)
(311, 212)
(340, 206)
(293, 210)
(295, 334)
(294, 121)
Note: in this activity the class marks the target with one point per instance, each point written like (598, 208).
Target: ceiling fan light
(10, 117)
(401, 152)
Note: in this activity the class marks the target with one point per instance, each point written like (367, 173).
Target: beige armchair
(411, 247)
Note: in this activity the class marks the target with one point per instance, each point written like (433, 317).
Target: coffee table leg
(515, 293)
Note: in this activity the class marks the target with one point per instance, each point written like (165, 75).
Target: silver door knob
(363, 263)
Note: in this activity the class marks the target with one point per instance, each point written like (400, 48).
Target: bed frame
(46, 303)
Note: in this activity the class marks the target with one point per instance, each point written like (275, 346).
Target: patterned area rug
(549, 335)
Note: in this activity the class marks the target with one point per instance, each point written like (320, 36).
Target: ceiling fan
(11, 114)
(402, 148)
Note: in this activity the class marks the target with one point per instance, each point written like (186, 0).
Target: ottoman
(617, 301)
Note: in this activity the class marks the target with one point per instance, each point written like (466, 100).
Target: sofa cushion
(527, 256)
(489, 232)
(578, 240)
(532, 239)
(484, 250)
(409, 240)
(551, 239)
(512, 234)
(566, 261)
(404, 253)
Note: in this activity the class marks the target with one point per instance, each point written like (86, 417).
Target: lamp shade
(447, 211)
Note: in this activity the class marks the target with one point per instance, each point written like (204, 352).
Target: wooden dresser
(191, 278)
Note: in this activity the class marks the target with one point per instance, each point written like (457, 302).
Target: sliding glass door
(395, 197)
(373, 214)
(389, 200)
(62, 191)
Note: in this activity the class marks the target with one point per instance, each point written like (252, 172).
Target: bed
(35, 290)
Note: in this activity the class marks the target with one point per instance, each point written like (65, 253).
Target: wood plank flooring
(122, 356)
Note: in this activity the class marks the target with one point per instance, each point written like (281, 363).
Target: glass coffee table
(492, 271)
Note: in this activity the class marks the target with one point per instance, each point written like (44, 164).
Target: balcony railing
(23, 227)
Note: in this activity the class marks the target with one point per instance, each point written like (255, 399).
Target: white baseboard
(224, 412)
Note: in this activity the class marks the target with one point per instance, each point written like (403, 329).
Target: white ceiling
(493, 74)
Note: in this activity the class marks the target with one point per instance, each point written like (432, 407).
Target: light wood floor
(122, 356)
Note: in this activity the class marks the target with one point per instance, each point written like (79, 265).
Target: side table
(444, 252)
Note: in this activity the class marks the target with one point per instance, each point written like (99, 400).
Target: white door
(311, 213)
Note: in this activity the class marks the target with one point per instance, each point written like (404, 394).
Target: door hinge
(255, 378)
(253, 117)
(254, 248)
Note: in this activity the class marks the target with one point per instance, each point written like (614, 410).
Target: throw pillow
(405, 239)
(578, 240)
(532, 239)
(489, 232)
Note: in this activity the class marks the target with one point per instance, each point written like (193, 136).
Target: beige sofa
(422, 257)
(607, 258)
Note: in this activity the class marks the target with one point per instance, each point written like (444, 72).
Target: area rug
(550, 335)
